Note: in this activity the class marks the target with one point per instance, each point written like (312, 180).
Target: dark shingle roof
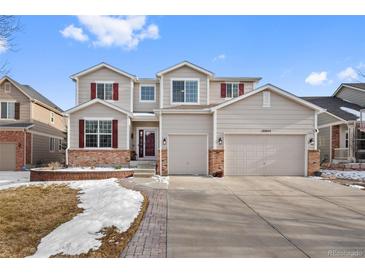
(356, 85)
(333, 105)
(16, 125)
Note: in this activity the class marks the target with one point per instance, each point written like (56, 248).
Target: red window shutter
(93, 91)
(115, 91)
(17, 111)
(240, 89)
(81, 133)
(223, 90)
(115, 134)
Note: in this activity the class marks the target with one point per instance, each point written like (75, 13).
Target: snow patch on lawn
(85, 169)
(105, 204)
(349, 175)
(357, 186)
(161, 179)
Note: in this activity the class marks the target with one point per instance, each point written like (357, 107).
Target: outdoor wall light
(220, 141)
(164, 141)
(311, 141)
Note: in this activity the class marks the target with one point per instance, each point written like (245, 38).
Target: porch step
(143, 164)
(144, 172)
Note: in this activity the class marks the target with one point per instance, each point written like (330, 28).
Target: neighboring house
(341, 136)
(190, 122)
(32, 128)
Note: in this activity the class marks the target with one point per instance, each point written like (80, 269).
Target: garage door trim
(305, 135)
(186, 134)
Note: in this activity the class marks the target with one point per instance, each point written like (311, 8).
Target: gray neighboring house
(32, 128)
(341, 136)
(186, 120)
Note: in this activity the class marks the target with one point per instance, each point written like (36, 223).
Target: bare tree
(9, 25)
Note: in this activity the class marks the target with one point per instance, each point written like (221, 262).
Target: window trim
(140, 93)
(238, 89)
(56, 145)
(103, 82)
(184, 103)
(7, 112)
(98, 133)
(268, 103)
(52, 117)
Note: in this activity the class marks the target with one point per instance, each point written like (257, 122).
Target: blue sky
(305, 55)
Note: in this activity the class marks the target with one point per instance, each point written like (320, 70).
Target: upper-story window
(104, 91)
(232, 90)
(51, 117)
(7, 110)
(147, 93)
(185, 91)
(98, 133)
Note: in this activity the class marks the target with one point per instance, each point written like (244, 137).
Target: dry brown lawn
(27, 214)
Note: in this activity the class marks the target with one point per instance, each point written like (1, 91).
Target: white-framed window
(104, 91)
(98, 133)
(59, 145)
(185, 91)
(347, 139)
(266, 101)
(52, 144)
(7, 87)
(147, 93)
(232, 90)
(51, 117)
(7, 110)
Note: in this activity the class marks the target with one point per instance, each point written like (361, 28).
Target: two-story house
(190, 122)
(32, 128)
(341, 137)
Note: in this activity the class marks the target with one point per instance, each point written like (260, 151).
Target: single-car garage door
(264, 155)
(188, 155)
(7, 156)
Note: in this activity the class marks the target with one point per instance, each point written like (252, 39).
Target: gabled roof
(236, 79)
(103, 65)
(354, 86)
(333, 106)
(17, 125)
(97, 100)
(274, 89)
(185, 63)
(32, 94)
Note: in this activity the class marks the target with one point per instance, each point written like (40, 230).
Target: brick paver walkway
(150, 238)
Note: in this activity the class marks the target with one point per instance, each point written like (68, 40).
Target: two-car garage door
(264, 155)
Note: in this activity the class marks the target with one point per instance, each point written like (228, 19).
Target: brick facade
(17, 137)
(335, 139)
(98, 157)
(28, 153)
(41, 175)
(314, 162)
(164, 163)
(216, 161)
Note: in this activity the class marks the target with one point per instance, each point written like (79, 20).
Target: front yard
(94, 218)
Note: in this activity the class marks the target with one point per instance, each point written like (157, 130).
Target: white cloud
(348, 74)
(219, 57)
(120, 31)
(3, 45)
(74, 33)
(317, 78)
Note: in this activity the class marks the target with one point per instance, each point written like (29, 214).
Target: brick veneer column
(313, 162)
(164, 163)
(216, 161)
(18, 138)
(335, 139)
(96, 157)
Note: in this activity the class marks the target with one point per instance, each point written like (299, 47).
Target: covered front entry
(146, 143)
(7, 156)
(264, 155)
(188, 154)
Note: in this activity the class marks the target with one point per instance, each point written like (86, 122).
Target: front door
(146, 143)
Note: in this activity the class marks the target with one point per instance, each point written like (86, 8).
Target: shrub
(54, 165)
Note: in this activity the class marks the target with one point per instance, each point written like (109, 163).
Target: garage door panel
(188, 154)
(8, 162)
(264, 155)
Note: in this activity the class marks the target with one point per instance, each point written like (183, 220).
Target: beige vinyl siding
(98, 111)
(41, 153)
(145, 106)
(43, 115)
(187, 124)
(184, 72)
(353, 96)
(18, 96)
(325, 118)
(105, 74)
(135, 125)
(248, 116)
(324, 138)
(215, 91)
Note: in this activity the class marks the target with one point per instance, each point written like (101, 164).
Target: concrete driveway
(264, 217)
